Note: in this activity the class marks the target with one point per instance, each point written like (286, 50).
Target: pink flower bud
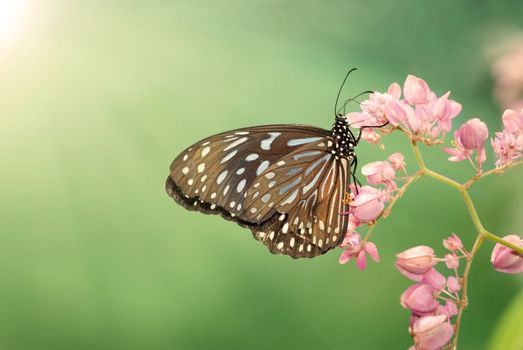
(473, 134)
(378, 172)
(414, 262)
(370, 136)
(451, 308)
(368, 204)
(453, 243)
(358, 119)
(419, 298)
(397, 112)
(505, 259)
(397, 160)
(432, 332)
(435, 279)
(415, 90)
(452, 261)
(394, 90)
(453, 284)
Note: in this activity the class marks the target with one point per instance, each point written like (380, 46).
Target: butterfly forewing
(212, 175)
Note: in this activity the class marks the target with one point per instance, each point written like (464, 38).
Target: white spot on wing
(205, 151)
(291, 198)
(221, 177)
(297, 142)
(266, 197)
(251, 157)
(185, 170)
(201, 167)
(263, 166)
(241, 185)
(235, 143)
(266, 144)
(229, 156)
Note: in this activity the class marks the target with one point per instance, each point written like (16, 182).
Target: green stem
(464, 287)
(462, 188)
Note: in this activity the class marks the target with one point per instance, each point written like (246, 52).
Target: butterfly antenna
(368, 127)
(339, 91)
(347, 101)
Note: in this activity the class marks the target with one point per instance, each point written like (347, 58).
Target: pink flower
(368, 204)
(416, 90)
(453, 243)
(357, 249)
(453, 284)
(414, 262)
(432, 332)
(470, 137)
(419, 298)
(506, 147)
(435, 279)
(452, 261)
(473, 134)
(443, 111)
(505, 259)
(398, 112)
(459, 152)
(380, 172)
(370, 136)
(397, 160)
(451, 309)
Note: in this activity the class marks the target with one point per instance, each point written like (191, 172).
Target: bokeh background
(98, 97)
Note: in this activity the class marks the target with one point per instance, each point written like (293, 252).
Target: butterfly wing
(299, 199)
(217, 174)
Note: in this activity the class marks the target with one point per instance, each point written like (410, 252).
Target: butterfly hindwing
(304, 190)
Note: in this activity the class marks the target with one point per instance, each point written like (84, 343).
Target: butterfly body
(286, 183)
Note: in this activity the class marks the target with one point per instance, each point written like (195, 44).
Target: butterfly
(287, 183)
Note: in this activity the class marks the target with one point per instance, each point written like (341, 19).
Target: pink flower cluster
(472, 135)
(469, 138)
(367, 204)
(421, 112)
(433, 300)
(508, 143)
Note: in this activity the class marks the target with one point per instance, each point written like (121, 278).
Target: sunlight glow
(11, 15)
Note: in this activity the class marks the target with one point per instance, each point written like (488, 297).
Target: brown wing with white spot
(300, 199)
(213, 175)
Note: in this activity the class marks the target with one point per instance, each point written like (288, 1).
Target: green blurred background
(98, 97)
